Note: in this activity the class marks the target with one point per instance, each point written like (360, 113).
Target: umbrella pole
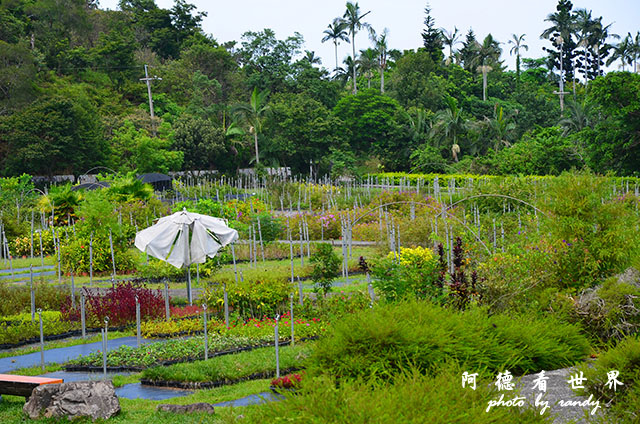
(189, 294)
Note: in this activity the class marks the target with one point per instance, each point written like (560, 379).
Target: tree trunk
(353, 45)
(382, 80)
(336, 44)
(484, 85)
(255, 139)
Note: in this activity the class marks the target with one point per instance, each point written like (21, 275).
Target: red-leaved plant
(290, 381)
(118, 303)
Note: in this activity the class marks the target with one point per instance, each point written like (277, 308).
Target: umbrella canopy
(185, 238)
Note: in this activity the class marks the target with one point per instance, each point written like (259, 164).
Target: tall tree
(336, 32)
(518, 43)
(450, 39)
(487, 59)
(354, 20)
(432, 36)
(381, 47)
(561, 34)
(623, 51)
(469, 50)
(448, 124)
(367, 62)
(253, 115)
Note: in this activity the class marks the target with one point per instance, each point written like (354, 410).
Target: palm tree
(450, 39)
(600, 34)
(579, 117)
(518, 43)
(623, 51)
(488, 54)
(448, 124)
(353, 19)
(253, 114)
(343, 74)
(584, 26)
(367, 62)
(501, 128)
(635, 49)
(336, 33)
(311, 57)
(382, 50)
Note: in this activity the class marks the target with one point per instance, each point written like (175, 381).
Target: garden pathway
(559, 390)
(62, 354)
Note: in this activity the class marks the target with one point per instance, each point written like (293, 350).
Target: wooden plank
(21, 385)
(28, 379)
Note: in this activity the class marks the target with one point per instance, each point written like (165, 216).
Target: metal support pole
(41, 340)
(138, 336)
(277, 341)
(206, 333)
(83, 320)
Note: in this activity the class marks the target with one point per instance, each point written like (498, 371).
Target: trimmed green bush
(381, 342)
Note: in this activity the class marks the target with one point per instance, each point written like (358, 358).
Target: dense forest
(75, 84)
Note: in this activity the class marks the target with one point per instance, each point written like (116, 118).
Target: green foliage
(414, 272)
(542, 152)
(380, 343)
(264, 296)
(609, 311)
(625, 400)
(231, 367)
(16, 328)
(598, 234)
(411, 398)
(612, 144)
(326, 264)
(17, 299)
(55, 135)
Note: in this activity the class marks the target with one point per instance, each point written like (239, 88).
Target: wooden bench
(20, 385)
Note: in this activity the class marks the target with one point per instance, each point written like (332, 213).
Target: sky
(228, 20)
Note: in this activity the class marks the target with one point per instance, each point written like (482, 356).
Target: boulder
(95, 399)
(186, 409)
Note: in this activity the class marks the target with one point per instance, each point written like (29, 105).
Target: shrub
(410, 398)
(21, 246)
(598, 233)
(119, 304)
(387, 339)
(76, 255)
(624, 358)
(609, 311)
(289, 381)
(16, 328)
(326, 265)
(17, 299)
(415, 272)
(250, 299)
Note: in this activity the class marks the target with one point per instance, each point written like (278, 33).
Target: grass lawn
(141, 411)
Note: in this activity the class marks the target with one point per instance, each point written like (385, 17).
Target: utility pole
(148, 81)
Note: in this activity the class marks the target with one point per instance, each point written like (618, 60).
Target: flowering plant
(290, 381)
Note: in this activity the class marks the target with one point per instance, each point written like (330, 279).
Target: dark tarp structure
(160, 182)
(91, 186)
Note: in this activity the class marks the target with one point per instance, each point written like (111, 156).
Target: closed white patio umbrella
(185, 238)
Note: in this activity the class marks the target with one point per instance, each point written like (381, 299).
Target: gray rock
(186, 409)
(95, 399)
